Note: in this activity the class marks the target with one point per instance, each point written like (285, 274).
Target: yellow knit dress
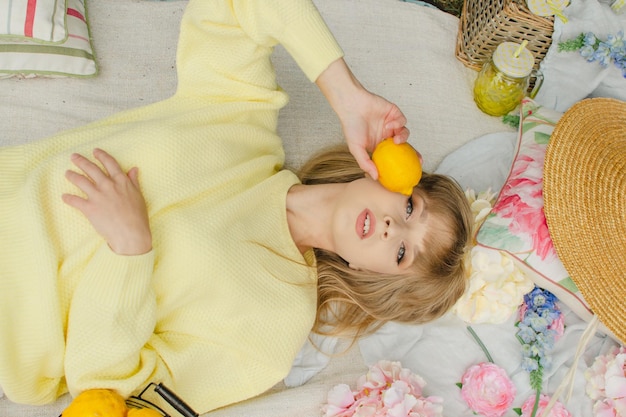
(219, 308)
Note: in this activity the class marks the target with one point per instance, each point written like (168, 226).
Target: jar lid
(505, 60)
(547, 7)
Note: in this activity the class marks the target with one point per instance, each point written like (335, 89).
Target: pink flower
(340, 398)
(558, 410)
(558, 325)
(487, 389)
(606, 383)
(605, 408)
(521, 201)
(383, 373)
(387, 390)
(615, 377)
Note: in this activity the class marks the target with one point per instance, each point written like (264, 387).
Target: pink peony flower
(340, 398)
(606, 383)
(521, 201)
(383, 373)
(605, 408)
(387, 390)
(487, 389)
(558, 410)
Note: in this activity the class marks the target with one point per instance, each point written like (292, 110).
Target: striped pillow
(42, 20)
(72, 58)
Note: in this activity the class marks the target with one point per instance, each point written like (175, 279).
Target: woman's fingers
(93, 171)
(363, 159)
(111, 167)
(113, 203)
(75, 201)
(81, 181)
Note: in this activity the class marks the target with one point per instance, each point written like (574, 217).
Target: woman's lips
(365, 224)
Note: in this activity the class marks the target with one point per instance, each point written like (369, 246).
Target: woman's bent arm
(366, 119)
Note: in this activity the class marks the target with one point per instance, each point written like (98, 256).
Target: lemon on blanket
(399, 166)
(143, 412)
(96, 403)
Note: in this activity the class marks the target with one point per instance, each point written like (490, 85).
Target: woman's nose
(389, 228)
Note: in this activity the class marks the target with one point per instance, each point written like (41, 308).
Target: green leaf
(569, 284)
(498, 236)
(511, 120)
(536, 379)
(518, 411)
(526, 126)
(572, 44)
(458, 384)
(542, 138)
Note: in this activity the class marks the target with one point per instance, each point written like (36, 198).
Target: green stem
(480, 343)
(536, 405)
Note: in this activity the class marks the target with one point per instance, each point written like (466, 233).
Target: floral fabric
(517, 224)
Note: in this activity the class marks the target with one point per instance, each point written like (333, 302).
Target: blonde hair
(356, 302)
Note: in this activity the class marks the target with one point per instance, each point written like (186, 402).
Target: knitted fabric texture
(222, 304)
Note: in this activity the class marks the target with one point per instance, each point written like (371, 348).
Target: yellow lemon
(143, 412)
(399, 166)
(96, 403)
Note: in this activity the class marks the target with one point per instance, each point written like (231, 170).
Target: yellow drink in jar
(495, 93)
(502, 82)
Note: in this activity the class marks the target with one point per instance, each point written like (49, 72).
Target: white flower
(480, 204)
(496, 286)
(496, 289)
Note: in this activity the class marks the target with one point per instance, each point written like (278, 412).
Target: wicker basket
(484, 24)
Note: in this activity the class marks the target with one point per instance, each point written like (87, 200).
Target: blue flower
(526, 333)
(539, 298)
(587, 53)
(534, 333)
(545, 340)
(549, 314)
(529, 365)
(536, 322)
(590, 39)
(604, 52)
(545, 362)
(616, 42)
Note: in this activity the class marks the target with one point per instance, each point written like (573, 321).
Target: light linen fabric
(568, 77)
(39, 20)
(73, 57)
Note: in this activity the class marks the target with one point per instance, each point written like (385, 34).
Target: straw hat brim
(585, 204)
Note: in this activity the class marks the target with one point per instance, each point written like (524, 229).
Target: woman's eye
(409, 207)
(401, 252)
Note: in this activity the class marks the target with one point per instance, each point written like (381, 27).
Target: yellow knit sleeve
(112, 316)
(225, 46)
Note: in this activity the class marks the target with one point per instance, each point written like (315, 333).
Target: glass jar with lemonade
(503, 82)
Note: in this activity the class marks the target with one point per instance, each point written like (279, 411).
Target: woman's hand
(113, 204)
(366, 118)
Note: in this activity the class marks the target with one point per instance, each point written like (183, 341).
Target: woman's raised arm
(366, 118)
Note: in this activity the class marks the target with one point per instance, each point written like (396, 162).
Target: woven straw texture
(585, 204)
(484, 24)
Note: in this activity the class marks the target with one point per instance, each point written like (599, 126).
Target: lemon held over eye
(143, 412)
(399, 166)
(96, 403)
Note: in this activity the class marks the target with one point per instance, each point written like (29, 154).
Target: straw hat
(585, 204)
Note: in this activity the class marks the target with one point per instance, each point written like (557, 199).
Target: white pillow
(482, 163)
(73, 57)
(41, 20)
(568, 77)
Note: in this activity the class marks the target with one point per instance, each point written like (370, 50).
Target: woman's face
(379, 230)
